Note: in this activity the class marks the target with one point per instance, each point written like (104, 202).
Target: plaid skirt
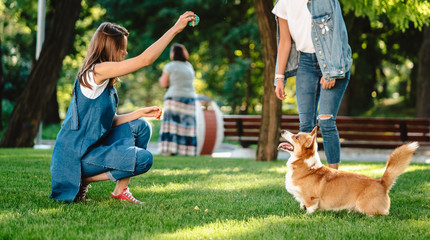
(178, 127)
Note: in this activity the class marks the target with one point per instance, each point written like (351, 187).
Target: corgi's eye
(297, 137)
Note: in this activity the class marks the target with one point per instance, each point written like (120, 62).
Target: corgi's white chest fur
(294, 190)
(291, 188)
(314, 162)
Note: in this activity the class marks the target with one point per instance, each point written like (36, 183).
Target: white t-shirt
(181, 78)
(299, 19)
(96, 90)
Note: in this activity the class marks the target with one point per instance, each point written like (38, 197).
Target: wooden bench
(353, 131)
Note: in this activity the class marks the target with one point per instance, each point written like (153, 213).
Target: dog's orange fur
(319, 187)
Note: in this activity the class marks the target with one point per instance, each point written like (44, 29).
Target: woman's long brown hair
(106, 45)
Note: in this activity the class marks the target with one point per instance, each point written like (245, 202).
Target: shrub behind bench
(353, 131)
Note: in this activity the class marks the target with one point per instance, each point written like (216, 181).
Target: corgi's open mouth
(286, 146)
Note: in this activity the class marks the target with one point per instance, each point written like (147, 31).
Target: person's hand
(279, 90)
(153, 111)
(329, 84)
(183, 20)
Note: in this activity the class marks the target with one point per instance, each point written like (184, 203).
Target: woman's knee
(327, 123)
(144, 160)
(142, 131)
(306, 126)
(141, 127)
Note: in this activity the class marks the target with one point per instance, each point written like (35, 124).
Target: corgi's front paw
(308, 212)
(302, 206)
(311, 209)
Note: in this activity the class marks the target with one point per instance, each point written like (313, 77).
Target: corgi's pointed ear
(312, 139)
(314, 132)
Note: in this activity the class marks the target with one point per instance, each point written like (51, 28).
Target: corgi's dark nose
(283, 131)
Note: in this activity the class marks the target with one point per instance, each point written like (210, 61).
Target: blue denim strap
(74, 105)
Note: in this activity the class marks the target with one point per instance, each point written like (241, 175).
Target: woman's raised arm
(107, 70)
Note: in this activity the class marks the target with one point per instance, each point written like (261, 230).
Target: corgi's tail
(397, 163)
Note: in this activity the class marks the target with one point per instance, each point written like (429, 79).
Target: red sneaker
(126, 196)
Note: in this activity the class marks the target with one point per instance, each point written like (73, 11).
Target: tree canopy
(226, 50)
(398, 12)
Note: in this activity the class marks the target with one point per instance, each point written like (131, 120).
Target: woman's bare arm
(164, 80)
(107, 70)
(153, 111)
(284, 48)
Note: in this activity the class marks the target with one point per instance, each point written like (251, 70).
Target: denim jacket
(330, 40)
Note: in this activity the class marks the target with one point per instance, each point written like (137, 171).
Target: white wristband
(279, 76)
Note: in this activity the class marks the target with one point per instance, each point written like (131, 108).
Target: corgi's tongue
(286, 146)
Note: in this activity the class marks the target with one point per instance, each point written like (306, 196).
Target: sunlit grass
(200, 198)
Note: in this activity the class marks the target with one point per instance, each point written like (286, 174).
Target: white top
(299, 19)
(181, 78)
(96, 90)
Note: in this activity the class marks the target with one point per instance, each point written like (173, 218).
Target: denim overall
(88, 138)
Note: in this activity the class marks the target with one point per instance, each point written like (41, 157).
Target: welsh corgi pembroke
(316, 186)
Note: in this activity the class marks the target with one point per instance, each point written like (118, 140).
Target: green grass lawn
(199, 198)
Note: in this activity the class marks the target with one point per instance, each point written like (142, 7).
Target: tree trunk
(1, 88)
(271, 114)
(27, 113)
(248, 82)
(423, 83)
(51, 115)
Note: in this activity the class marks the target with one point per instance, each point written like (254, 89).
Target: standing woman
(178, 128)
(313, 45)
(94, 143)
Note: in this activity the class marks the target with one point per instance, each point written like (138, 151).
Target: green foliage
(7, 108)
(234, 84)
(156, 124)
(225, 40)
(225, 50)
(289, 105)
(391, 108)
(383, 61)
(236, 199)
(400, 13)
(18, 20)
(50, 132)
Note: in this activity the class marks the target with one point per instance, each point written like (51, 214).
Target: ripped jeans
(315, 103)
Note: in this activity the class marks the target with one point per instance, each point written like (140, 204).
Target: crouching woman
(94, 143)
